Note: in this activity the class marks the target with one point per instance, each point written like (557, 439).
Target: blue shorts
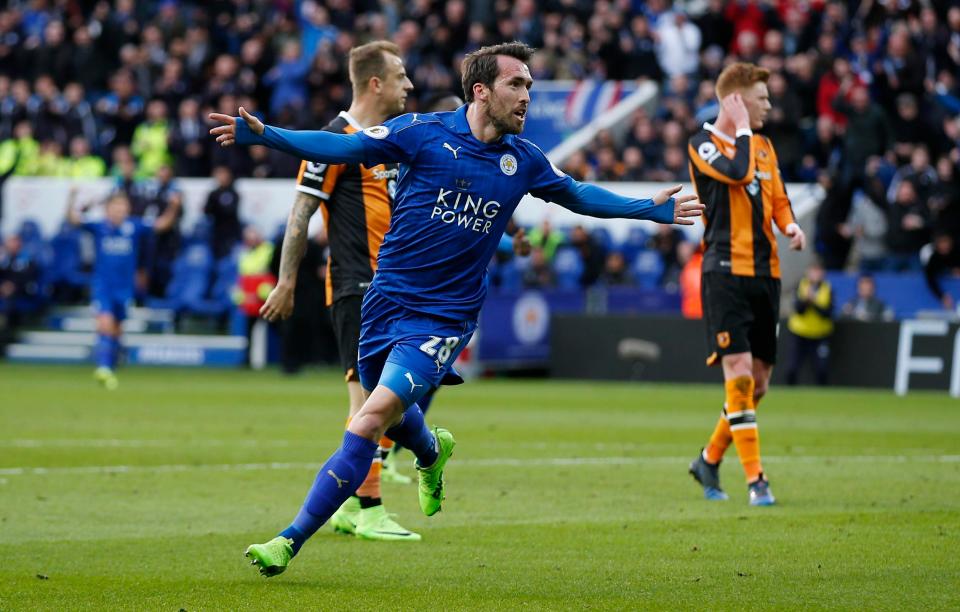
(111, 303)
(408, 352)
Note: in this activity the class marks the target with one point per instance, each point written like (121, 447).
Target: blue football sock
(114, 352)
(425, 401)
(337, 480)
(412, 432)
(102, 351)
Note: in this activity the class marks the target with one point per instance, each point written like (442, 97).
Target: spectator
(19, 283)
(919, 172)
(546, 239)
(639, 46)
(287, 78)
(867, 224)
(20, 153)
(189, 140)
(909, 128)
(82, 163)
(866, 306)
(811, 325)
(781, 125)
(615, 273)
(255, 280)
(76, 115)
(159, 195)
(223, 211)
(633, 164)
(944, 200)
(538, 273)
(591, 254)
(120, 111)
(150, 140)
(53, 57)
(691, 305)
(942, 257)
(677, 43)
(308, 330)
(908, 229)
(868, 132)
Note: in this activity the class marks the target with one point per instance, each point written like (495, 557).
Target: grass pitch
(561, 495)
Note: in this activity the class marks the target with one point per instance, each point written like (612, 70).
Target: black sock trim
(369, 502)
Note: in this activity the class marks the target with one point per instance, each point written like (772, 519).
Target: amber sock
(742, 418)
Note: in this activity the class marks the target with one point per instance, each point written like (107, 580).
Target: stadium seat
(219, 301)
(569, 268)
(635, 242)
(647, 268)
(190, 281)
(65, 270)
(32, 238)
(603, 238)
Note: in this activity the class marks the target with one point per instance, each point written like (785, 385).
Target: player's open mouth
(520, 114)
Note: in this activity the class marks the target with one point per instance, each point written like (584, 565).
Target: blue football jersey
(454, 198)
(117, 247)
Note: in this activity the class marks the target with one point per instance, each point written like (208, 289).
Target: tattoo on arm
(295, 238)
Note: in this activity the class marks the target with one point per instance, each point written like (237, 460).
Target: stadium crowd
(865, 100)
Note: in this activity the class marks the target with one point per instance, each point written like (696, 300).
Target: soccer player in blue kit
(117, 239)
(462, 175)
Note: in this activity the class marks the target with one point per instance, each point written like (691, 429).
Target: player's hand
(279, 304)
(227, 133)
(798, 240)
(521, 246)
(736, 110)
(685, 207)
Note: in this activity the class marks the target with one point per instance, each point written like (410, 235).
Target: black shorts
(742, 315)
(345, 313)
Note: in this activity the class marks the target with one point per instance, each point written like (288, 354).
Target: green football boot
(107, 378)
(431, 478)
(344, 520)
(272, 557)
(375, 524)
(390, 473)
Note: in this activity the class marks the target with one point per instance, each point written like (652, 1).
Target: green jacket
(22, 154)
(149, 146)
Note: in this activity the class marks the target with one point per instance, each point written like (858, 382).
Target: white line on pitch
(492, 462)
(124, 443)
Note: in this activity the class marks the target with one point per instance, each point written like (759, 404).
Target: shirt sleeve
(397, 140)
(318, 179)
(552, 184)
(709, 160)
(782, 209)
(312, 145)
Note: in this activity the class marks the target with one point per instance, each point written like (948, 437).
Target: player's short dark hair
(481, 65)
(368, 61)
(739, 76)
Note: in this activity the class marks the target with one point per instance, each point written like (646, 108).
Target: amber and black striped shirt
(356, 203)
(739, 182)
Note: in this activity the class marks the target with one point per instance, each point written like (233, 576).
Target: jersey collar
(713, 130)
(460, 123)
(350, 120)
(462, 126)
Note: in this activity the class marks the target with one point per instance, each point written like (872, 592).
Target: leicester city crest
(508, 164)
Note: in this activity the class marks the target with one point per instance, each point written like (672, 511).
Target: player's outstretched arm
(318, 146)
(594, 201)
(279, 304)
